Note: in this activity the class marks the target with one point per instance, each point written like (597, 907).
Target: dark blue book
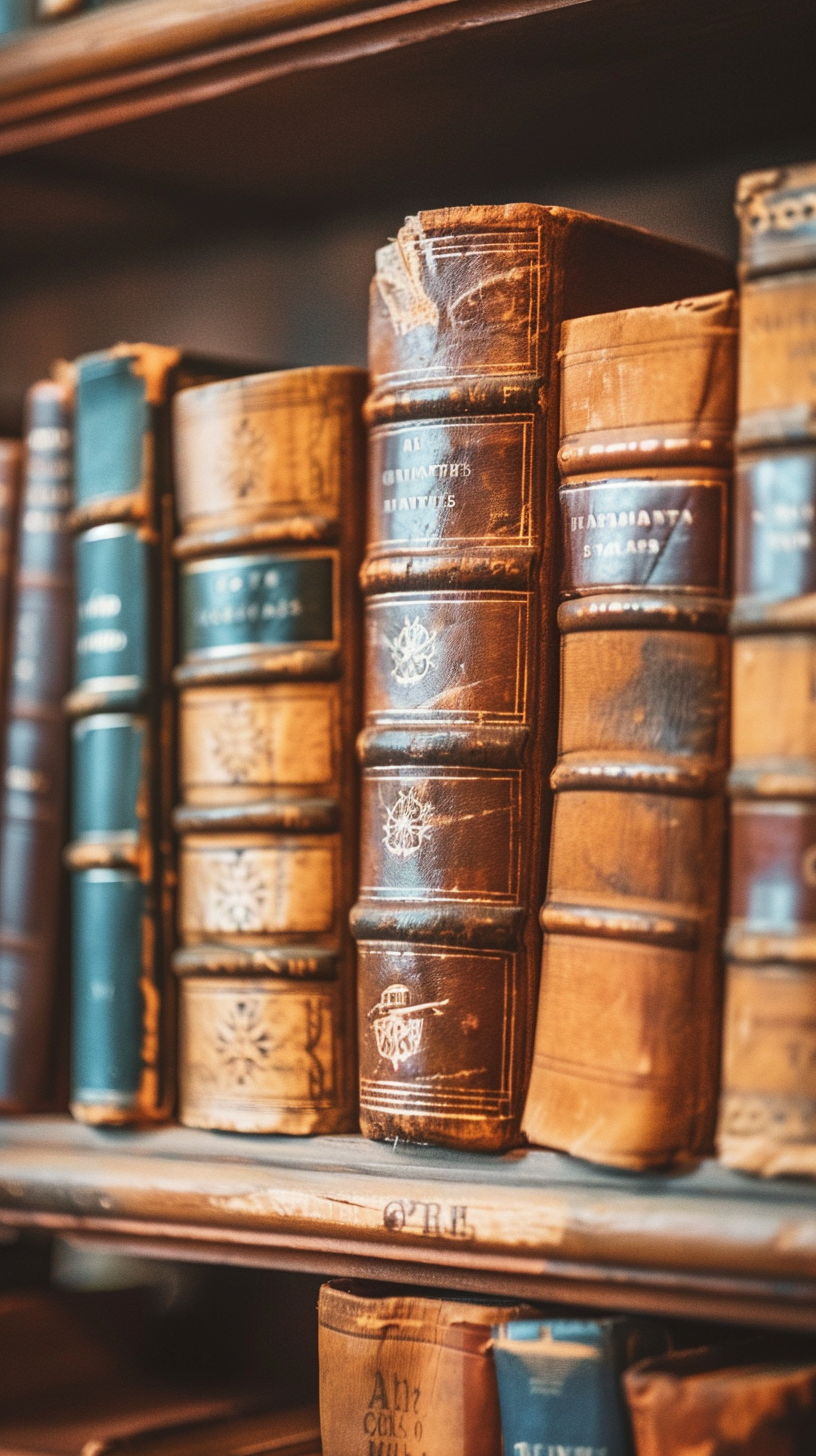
(560, 1384)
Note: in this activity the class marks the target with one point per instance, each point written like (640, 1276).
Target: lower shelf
(707, 1243)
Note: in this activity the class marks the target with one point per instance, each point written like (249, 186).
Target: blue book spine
(560, 1388)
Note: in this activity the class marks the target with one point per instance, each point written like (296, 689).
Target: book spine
(457, 691)
(269, 683)
(120, 854)
(768, 1106)
(32, 816)
(627, 1043)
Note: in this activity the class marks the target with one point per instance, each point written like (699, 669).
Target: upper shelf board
(706, 1243)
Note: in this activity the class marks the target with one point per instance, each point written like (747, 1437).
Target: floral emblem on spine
(412, 651)
(245, 457)
(407, 824)
(242, 1043)
(239, 894)
(238, 742)
(398, 1025)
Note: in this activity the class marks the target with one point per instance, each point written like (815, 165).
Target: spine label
(639, 533)
(441, 835)
(113, 583)
(428, 1021)
(448, 654)
(235, 604)
(238, 886)
(452, 480)
(775, 516)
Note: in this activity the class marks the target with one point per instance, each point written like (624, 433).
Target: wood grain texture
(627, 1044)
(529, 1225)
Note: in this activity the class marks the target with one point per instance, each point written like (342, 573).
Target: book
(271, 473)
(626, 1058)
(402, 1373)
(560, 1387)
(749, 1397)
(768, 1106)
(460, 667)
(33, 958)
(11, 462)
(121, 853)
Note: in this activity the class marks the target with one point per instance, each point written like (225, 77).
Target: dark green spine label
(108, 1006)
(235, 604)
(109, 776)
(113, 596)
(112, 418)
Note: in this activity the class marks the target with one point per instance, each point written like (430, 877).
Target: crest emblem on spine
(407, 824)
(398, 1025)
(412, 651)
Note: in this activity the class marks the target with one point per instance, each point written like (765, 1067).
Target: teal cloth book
(560, 1384)
(123, 732)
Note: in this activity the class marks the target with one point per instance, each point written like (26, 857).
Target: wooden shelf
(706, 1243)
(315, 103)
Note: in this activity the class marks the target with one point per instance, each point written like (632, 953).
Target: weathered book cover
(460, 689)
(749, 1397)
(403, 1373)
(626, 1059)
(121, 855)
(270, 474)
(34, 758)
(560, 1386)
(768, 1107)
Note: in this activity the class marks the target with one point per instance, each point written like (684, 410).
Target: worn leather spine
(401, 1374)
(11, 462)
(121, 853)
(459, 579)
(768, 1108)
(627, 1043)
(751, 1398)
(271, 476)
(34, 756)
(560, 1385)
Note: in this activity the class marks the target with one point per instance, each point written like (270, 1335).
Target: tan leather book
(270, 473)
(627, 1045)
(745, 1399)
(460, 584)
(405, 1373)
(768, 1110)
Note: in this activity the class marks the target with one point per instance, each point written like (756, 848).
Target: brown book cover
(768, 1107)
(460, 691)
(626, 1057)
(750, 1398)
(270, 473)
(402, 1372)
(33, 948)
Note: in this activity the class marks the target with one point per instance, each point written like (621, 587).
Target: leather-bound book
(768, 1106)
(560, 1386)
(627, 1046)
(34, 759)
(404, 1372)
(746, 1399)
(11, 460)
(271, 473)
(121, 853)
(460, 689)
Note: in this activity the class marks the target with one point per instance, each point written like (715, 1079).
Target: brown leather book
(744, 1399)
(768, 1109)
(11, 462)
(270, 473)
(627, 1046)
(34, 758)
(460, 581)
(401, 1373)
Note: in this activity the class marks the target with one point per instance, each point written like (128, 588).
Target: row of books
(551, 413)
(403, 1373)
